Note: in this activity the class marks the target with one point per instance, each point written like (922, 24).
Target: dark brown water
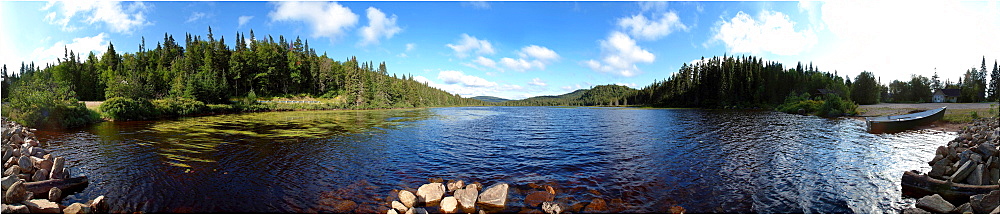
(704, 161)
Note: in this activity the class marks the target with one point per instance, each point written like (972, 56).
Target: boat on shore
(887, 124)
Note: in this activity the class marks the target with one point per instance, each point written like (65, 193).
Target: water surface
(649, 159)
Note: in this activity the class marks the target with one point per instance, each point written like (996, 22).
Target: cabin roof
(950, 92)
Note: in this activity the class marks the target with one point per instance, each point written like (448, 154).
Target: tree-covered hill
(490, 99)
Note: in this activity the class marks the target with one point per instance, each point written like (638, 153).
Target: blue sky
(521, 49)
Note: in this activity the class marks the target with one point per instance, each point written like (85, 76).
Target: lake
(707, 161)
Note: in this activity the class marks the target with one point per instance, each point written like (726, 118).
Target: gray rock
(416, 211)
(494, 196)
(995, 211)
(984, 203)
(553, 207)
(455, 185)
(430, 194)
(40, 175)
(964, 208)
(7, 153)
(16, 193)
(9, 180)
(995, 175)
(43, 164)
(55, 194)
(57, 168)
(16, 209)
(25, 163)
(914, 211)
(963, 172)
(449, 205)
(407, 198)
(467, 198)
(38, 152)
(934, 203)
(12, 170)
(78, 208)
(411, 211)
(987, 149)
(398, 206)
(40, 206)
(976, 177)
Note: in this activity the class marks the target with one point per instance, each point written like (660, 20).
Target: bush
(125, 109)
(42, 102)
(834, 106)
(178, 106)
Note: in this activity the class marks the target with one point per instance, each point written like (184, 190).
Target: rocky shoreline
(964, 172)
(34, 180)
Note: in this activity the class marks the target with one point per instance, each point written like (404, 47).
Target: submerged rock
(537, 197)
(934, 203)
(596, 206)
(494, 196)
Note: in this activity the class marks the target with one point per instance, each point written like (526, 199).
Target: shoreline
(956, 117)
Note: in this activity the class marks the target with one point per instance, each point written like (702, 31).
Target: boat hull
(891, 126)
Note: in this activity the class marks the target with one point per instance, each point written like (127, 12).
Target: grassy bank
(956, 113)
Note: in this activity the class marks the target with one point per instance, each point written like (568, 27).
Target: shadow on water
(646, 159)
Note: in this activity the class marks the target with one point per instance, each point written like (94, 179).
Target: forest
(206, 75)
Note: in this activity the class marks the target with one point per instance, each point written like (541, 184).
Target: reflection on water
(647, 159)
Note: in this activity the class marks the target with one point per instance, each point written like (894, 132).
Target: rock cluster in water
(30, 171)
(973, 158)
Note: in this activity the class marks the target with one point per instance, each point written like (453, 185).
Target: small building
(946, 95)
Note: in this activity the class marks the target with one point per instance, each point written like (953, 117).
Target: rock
(963, 208)
(407, 198)
(39, 206)
(537, 197)
(467, 198)
(398, 206)
(530, 211)
(40, 175)
(55, 194)
(7, 153)
(680, 210)
(37, 152)
(995, 175)
(32, 141)
(99, 204)
(475, 186)
(550, 189)
(597, 206)
(24, 176)
(553, 207)
(436, 180)
(934, 203)
(449, 205)
(13, 170)
(976, 177)
(344, 206)
(17, 192)
(963, 172)
(995, 211)
(984, 203)
(416, 211)
(57, 168)
(25, 163)
(15, 209)
(391, 211)
(455, 185)
(9, 180)
(578, 207)
(78, 208)
(494, 196)
(986, 149)
(939, 169)
(411, 211)
(915, 211)
(430, 194)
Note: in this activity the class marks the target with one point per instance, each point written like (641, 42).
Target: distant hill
(611, 95)
(490, 99)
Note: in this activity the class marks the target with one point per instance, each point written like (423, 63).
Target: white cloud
(530, 57)
(379, 26)
(538, 82)
(521, 64)
(457, 77)
(538, 52)
(410, 46)
(471, 44)
(81, 46)
(896, 39)
(326, 19)
(477, 4)
(244, 20)
(119, 18)
(485, 62)
(646, 29)
(195, 17)
(620, 54)
(653, 5)
(771, 32)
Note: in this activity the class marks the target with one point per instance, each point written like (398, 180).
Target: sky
(516, 50)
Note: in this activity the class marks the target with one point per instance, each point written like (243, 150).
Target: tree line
(972, 85)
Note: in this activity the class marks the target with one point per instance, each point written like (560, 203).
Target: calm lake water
(705, 161)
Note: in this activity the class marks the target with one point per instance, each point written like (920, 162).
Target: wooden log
(918, 185)
(41, 188)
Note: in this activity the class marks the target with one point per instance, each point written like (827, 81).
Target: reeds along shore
(34, 179)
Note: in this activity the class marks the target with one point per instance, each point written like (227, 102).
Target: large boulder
(57, 168)
(40, 175)
(17, 192)
(449, 205)
(430, 194)
(984, 203)
(467, 198)
(934, 203)
(78, 208)
(42, 163)
(407, 198)
(963, 171)
(987, 149)
(42, 206)
(494, 196)
(55, 194)
(964, 208)
(939, 168)
(553, 207)
(455, 185)
(537, 197)
(976, 177)
(398, 206)
(25, 163)
(597, 206)
(9, 180)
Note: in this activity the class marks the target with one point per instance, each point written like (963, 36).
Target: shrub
(125, 109)
(42, 102)
(178, 106)
(834, 106)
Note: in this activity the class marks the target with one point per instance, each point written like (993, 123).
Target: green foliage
(125, 109)
(831, 105)
(39, 101)
(178, 106)
(865, 89)
(974, 115)
(799, 104)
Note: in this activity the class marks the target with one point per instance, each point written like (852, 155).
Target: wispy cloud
(195, 16)
(243, 20)
(477, 4)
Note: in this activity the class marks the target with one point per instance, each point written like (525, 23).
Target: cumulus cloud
(379, 26)
(648, 29)
(471, 44)
(244, 20)
(538, 82)
(457, 77)
(117, 17)
(81, 46)
(620, 55)
(771, 32)
(538, 52)
(529, 57)
(327, 19)
(521, 64)
(485, 62)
